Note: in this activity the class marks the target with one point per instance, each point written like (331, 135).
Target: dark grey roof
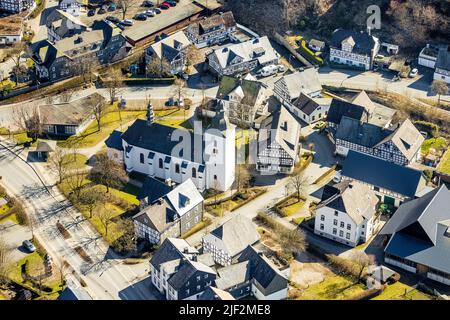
(443, 59)
(153, 189)
(155, 137)
(233, 275)
(383, 174)
(306, 104)
(71, 293)
(170, 249)
(114, 140)
(361, 133)
(269, 278)
(187, 271)
(364, 43)
(339, 109)
(212, 293)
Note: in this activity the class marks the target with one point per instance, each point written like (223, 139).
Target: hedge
(431, 128)
(311, 56)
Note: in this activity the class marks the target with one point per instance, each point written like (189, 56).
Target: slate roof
(64, 23)
(72, 113)
(406, 138)
(361, 133)
(363, 42)
(388, 175)
(234, 235)
(169, 48)
(114, 140)
(339, 109)
(443, 58)
(46, 146)
(153, 189)
(186, 272)
(248, 90)
(71, 293)
(213, 293)
(203, 26)
(286, 129)
(172, 249)
(268, 278)
(159, 216)
(306, 104)
(353, 198)
(233, 275)
(184, 197)
(306, 81)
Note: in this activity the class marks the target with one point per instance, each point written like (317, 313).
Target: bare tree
(30, 121)
(4, 261)
(114, 84)
(193, 56)
(98, 109)
(108, 172)
(243, 176)
(76, 181)
(58, 165)
(158, 68)
(66, 95)
(63, 269)
(298, 182)
(104, 216)
(15, 53)
(124, 5)
(360, 261)
(439, 87)
(91, 199)
(291, 241)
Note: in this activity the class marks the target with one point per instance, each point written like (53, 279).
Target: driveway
(14, 234)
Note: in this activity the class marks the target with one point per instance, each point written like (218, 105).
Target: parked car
(180, 102)
(29, 246)
(269, 70)
(149, 13)
(148, 4)
(319, 125)
(414, 72)
(91, 13)
(140, 16)
(281, 68)
(157, 11)
(337, 177)
(112, 7)
(164, 6)
(127, 22)
(113, 19)
(120, 26)
(171, 3)
(101, 11)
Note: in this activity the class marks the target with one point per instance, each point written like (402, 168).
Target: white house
(354, 49)
(205, 156)
(11, 30)
(309, 109)
(288, 89)
(61, 24)
(230, 239)
(442, 71)
(347, 213)
(70, 6)
(243, 57)
(428, 56)
(16, 6)
(212, 30)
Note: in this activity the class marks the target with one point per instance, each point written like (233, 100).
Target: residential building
(347, 213)
(378, 114)
(301, 93)
(70, 118)
(316, 45)
(228, 240)
(114, 148)
(212, 30)
(172, 50)
(61, 24)
(392, 183)
(205, 156)
(152, 189)
(339, 109)
(213, 294)
(11, 29)
(177, 272)
(243, 100)
(70, 6)
(16, 6)
(241, 58)
(278, 143)
(442, 71)
(428, 56)
(78, 54)
(399, 144)
(354, 49)
(420, 236)
(170, 216)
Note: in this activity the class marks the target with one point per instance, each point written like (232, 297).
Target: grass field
(74, 161)
(332, 288)
(292, 209)
(444, 165)
(435, 143)
(397, 291)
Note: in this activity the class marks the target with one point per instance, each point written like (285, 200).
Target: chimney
(369, 31)
(150, 114)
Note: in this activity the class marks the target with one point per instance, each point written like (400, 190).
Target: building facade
(70, 6)
(442, 71)
(16, 6)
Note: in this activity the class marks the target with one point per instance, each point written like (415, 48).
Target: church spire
(150, 113)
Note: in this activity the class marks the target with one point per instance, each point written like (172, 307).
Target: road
(107, 277)
(416, 88)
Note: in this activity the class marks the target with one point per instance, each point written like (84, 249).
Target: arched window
(141, 158)
(160, 163)
(194, 173)
(215, 177)
(177, 168)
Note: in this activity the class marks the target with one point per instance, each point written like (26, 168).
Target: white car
(149, 13)
(337, 177)
(269, 70)
(281, 68)
(414, 72)
(127, 22)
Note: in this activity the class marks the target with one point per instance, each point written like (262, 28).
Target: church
(207, 157)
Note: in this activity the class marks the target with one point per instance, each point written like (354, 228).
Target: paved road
(107, 277)
(14, 234)
(416, 88)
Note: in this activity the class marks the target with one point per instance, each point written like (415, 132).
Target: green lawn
(292, 209)
(219, 209)
(332, 288)
(396, 291)
(436, 143)
(109, 122)
(74, 161)
(128, 193)
(298, 220)
(444, 165)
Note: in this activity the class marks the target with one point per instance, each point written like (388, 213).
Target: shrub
(431, 128)
(39, 248)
